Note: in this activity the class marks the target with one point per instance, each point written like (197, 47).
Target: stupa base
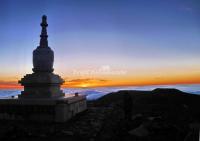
(50, 110)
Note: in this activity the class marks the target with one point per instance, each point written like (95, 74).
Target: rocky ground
(159, 115)
(97, 123)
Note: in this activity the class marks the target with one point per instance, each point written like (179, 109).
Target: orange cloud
(9, 85)
(87, 82)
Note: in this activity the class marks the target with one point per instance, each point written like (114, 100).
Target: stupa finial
(44, 36)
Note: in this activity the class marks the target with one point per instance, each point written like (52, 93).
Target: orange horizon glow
(96, 86)
(16, 86)
(124, 85)
(131, 78)
(91, 83)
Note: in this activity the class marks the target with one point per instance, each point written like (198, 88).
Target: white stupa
(42, 98)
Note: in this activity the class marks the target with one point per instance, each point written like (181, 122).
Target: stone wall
(44, 110)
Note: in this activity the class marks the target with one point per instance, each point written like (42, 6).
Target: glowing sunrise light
(84, 85)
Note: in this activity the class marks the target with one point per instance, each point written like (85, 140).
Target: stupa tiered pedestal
(41, 85)
(42, 98)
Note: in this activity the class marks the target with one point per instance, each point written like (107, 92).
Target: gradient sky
(104, 42)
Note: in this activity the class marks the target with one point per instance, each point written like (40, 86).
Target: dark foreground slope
(158, 101)
(158, 115)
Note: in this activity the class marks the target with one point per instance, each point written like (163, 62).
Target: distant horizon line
(141, 85)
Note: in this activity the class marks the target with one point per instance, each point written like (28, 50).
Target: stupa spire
(44, 36)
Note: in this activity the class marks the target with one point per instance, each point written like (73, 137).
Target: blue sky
(124, 34)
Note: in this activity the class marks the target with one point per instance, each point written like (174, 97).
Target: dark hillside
(170, 113)
(158, 115)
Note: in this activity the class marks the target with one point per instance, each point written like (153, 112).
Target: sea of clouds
(95, 93)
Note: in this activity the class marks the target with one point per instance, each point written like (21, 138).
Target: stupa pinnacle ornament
(42, 83)
(44, 36)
